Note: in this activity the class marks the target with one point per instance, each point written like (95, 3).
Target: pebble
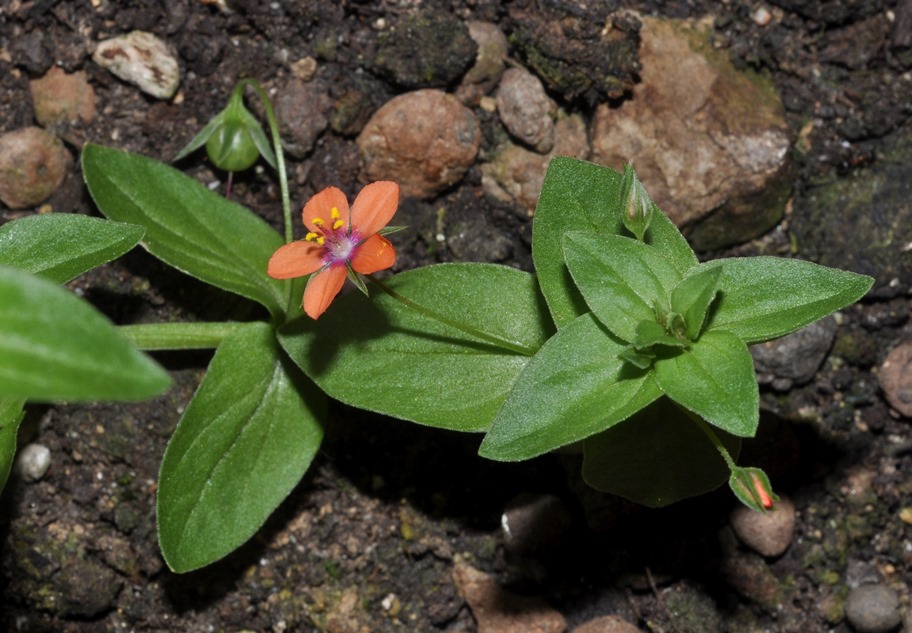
(302, 110)
(489, 62)
(895, 377)
(33, 462)
(141, 59)
(607, 624)
(60, 98)
(873, 609)
(525, 109)
(33, 164)
(794, 359)
(497, 610)
(425, 140)
(768, 534)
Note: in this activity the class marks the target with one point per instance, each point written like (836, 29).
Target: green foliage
(11, 413)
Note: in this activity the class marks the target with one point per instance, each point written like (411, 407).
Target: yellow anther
(321, 240)
(334, 213)
(338, 224)
(310, 237)
(317, 221)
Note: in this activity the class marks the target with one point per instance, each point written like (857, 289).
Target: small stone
(795, 358)
(33, 461)
(905, 515)
(761, 16)
(873, 609)
(497, 610)
(304, 68)
(33, 164)
(143, 60)
(60, 98)
(534, 525)
(489, 62)
(768, 534)
(424, 140)
(895, 377)
(525, 109)
(607, 624)
(302, 110)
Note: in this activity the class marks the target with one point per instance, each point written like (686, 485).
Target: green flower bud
(636, 205)
(753, 489)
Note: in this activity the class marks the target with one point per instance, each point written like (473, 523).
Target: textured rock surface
(424, 140)
(143, 60)
(489, 62)
(699, 132)
(303, 110)
(60, 98)
(526, 110)
(873, 609)
(607, 624)
(33, 164)
(794, 358)
(768, 534)
(895, 378)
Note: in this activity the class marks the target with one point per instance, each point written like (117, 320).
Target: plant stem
(707, 429)
(498, 341)
(162, 336)
(277, 145)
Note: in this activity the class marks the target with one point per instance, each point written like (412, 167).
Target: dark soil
(369, 539)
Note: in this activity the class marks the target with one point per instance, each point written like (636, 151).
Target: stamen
(338, 224)
(321, 240)
(317, 221)
(334, 213)
(310, 237)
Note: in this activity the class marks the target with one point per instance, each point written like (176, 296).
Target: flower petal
(375, 253)
(295, 260)
(374, 207)
(322, 289)
(320, 206)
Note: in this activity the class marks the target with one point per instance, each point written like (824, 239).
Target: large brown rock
(700, 133)
(33, 164)
(424, 140)
(60, 98)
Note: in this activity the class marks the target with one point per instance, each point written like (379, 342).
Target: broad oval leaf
(244, 442)
(715, 379)
(11, 413)
(578, 195)
(187, 226)
(656, 457)
(762, 298)
(377, 354)
(575, 386)
(623, 281)
(55, 346)
(61, 246)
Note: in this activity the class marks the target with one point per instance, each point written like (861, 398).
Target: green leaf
(575, 386)
(245, 441)
(715, 379)
(691, 298)
(377, 354)
(762, 298)
(54, 346)
(11, 414)
(187, 226)
(649, 333)
(656, 457)
(61, 246)
(624, 281)
(578, 195)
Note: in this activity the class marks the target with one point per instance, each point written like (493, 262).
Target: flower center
(338, 244)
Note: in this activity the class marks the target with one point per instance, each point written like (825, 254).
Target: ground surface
(369, 539)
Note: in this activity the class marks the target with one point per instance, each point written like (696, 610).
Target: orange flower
(338, 240)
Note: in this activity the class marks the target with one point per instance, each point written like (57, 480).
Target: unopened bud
(636, 205)
(753, 489)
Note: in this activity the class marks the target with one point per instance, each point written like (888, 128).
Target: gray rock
(769, 534)
(895, 377)
(702, 135)
(795, 358)
(607, 624)
(302, 109)
(143, 60)
(424, 140)
(33, 461)
(526, 110)
(489, 62)
(873, 609)
(33, 164)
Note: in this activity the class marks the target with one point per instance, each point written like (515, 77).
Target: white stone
(33, 462)
(143, 60)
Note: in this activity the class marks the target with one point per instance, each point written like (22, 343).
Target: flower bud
(753, 489)
(636, 205)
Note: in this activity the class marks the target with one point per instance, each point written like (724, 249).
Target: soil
(368, 541)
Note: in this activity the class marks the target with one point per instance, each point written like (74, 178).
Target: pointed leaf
(649, 333)
(624, 281)
(578, 195)
(61, 246)
(187, 226)
(715, 379)
(246, 439)
(55, 346)
(656, 458)
(691, 298)
(11, 414)
(377, 354)
(762, 298)
(575, 386)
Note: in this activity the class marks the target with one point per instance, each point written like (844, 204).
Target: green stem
(494, 339)
(162, 336)
(277, 145)
(708, 430)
